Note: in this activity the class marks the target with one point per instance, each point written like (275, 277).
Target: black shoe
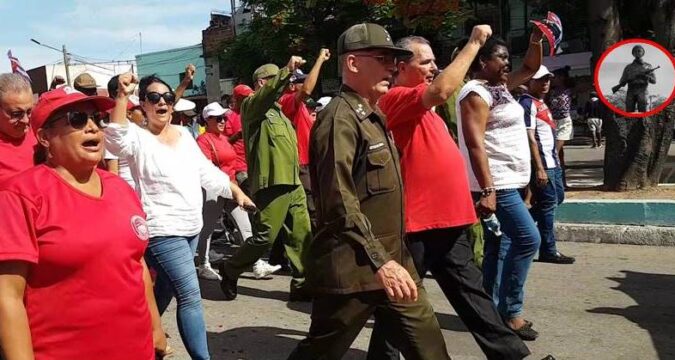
(227, 285)
(526, 333)
(299, 296)
(558, 258)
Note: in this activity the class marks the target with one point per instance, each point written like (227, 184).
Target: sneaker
(206, 272)
(558, 258)
(262, 268)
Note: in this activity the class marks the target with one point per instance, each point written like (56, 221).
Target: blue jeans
(547, 198)
(508, 258)
(172, 257)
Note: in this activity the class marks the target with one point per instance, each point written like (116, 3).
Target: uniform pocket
(379, 175)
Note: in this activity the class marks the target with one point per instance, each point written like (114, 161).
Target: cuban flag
(553, 31)
(16, 66)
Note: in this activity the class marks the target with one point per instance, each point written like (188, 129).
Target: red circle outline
(624, 113)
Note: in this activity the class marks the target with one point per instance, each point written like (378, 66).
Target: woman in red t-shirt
(217, 148)
(73, 282)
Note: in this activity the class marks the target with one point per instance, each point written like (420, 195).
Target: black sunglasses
(154, 97)
(79, 119)
(219, 119)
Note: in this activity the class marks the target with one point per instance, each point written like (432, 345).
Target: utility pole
(66, 64)
(233, 5)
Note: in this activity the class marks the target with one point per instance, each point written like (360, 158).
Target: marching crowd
(409, 169)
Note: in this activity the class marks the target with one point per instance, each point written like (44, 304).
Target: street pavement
(615, 302)
(585, 164)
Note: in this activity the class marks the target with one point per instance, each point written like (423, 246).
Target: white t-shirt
(506, 141)
(538, 118)
(169, 178)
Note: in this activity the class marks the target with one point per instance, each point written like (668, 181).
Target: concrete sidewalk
(616, 302)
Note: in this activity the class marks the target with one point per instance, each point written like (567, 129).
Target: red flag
(16, 66)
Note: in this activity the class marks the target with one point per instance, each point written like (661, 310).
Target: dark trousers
(448, 254)
(338, 319)
(636, 101)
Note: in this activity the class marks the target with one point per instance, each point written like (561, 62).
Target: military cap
(368, 36)
(265, 71)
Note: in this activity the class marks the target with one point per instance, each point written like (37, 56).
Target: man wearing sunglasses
(273, 170)
(17, 142)
(357, 264)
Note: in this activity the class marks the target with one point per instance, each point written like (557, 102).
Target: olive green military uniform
(272, 157)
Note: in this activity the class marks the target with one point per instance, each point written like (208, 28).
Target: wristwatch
(485, 192)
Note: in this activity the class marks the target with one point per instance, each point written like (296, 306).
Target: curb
(616, 234)
(642, 212)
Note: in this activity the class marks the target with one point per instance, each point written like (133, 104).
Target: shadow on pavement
(655, 309)
(261, 343)
(211, 291)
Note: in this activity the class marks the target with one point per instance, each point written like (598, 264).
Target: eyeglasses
(382, 59)
(79, 119)
(219, 119)
(16, 116)
(154, 97)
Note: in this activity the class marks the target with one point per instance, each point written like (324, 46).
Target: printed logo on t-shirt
(140, 227)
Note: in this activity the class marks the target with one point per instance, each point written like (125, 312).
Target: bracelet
(487, 191)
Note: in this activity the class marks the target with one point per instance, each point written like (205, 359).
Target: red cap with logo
(54, 100)
(242, 91)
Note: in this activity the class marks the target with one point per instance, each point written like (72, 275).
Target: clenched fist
(480, 34)
(324, 55)
(189, 73)
(126, 83)
(295, 62)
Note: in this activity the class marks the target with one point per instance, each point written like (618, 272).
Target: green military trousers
(282, 211)
(338, 319)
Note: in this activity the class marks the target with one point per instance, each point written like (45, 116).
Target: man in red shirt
(294, 107)
(233, 131)
(439, 207)
(17, 142)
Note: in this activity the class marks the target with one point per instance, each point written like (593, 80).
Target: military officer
(272, 157)
(638, 75)
(358, 264)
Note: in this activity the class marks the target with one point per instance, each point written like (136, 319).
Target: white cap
(322, 103)
(183, 105)
(543, 71)
(213, 109)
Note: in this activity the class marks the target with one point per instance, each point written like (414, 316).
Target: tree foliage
(281, 28)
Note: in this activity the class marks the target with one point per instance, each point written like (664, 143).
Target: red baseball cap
(54, 100)
(242, 91)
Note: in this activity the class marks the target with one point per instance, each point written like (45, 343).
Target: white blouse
(169, 179)
(506, 142)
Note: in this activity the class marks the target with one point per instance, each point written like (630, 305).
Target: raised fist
(295, 62)
(324, 55)
(480, 34)
(189, 72)
(126, 83)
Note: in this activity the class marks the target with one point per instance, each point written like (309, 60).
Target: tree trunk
(637, 149)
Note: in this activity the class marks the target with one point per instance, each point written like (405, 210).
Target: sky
(613, 65)
(100, 30)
